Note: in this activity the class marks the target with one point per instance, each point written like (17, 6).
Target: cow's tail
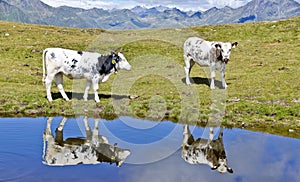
(44, 66)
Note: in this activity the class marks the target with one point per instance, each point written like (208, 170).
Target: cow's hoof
(212, 88)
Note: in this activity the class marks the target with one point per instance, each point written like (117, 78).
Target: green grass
(262, 75)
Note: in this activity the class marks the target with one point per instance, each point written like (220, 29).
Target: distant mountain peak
(37, 12)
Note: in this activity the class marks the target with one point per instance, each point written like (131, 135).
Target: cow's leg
(224, 85)
(87, 88)
(105, 78)
(96, 87)
(59, 82)
(189, 63)
(48, 82)
(212, 75)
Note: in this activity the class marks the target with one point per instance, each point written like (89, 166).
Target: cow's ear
(113, 53)
(233, 45)
(218, 46)
(229, 170)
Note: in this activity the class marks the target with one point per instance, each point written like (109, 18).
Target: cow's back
(198, 49)
(196, 152)
(72, 63)
(62, 59)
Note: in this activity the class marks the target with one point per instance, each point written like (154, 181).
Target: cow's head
(222, 166)
(223, 50)
(121, 156)
(120, 61)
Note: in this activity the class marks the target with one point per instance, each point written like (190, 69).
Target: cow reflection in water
(90, 150)
(205, 151)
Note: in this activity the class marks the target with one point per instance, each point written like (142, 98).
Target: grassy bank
(263, 75)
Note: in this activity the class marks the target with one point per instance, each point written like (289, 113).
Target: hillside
(36, 12)
(263, 74)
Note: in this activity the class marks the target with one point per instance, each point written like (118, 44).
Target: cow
(215, 55)
(205, 151)
(92, 66)
(93, 149)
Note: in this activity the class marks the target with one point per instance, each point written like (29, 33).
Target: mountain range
(37, 12)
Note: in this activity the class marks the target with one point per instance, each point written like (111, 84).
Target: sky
(185, 5)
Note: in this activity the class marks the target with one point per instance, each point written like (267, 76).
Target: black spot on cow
(52, 55)
(105, 63)
(74, 61)
(80, 53)
(73, 66)
(219, 54)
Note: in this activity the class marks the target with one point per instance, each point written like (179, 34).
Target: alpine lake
(129, 149)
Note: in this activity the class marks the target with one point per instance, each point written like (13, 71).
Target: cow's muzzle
(225, 60)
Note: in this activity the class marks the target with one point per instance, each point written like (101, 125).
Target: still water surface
(155, 152)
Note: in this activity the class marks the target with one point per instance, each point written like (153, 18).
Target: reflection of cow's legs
(87, 88)
(47, 136)
(59, 132)
(221, 133)
(95, 138)
(189, 63)
(211, 134)
(59, 82)
(87, 129)
(188, 138)
(47, 131)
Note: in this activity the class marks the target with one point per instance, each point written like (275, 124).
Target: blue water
(155, 153)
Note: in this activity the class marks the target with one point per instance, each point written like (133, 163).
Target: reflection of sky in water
(149, 135)
(252, 156)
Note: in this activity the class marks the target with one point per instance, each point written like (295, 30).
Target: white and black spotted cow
(92, 66)
(213, 54)
(205, 151)
(93, 149)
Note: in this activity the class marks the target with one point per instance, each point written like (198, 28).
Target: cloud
(86, 4)
(195, 5)
(231, 3)
(120, 4)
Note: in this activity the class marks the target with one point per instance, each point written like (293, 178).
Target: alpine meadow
(263, 80)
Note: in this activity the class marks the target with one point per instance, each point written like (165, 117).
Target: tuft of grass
(262, 75)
